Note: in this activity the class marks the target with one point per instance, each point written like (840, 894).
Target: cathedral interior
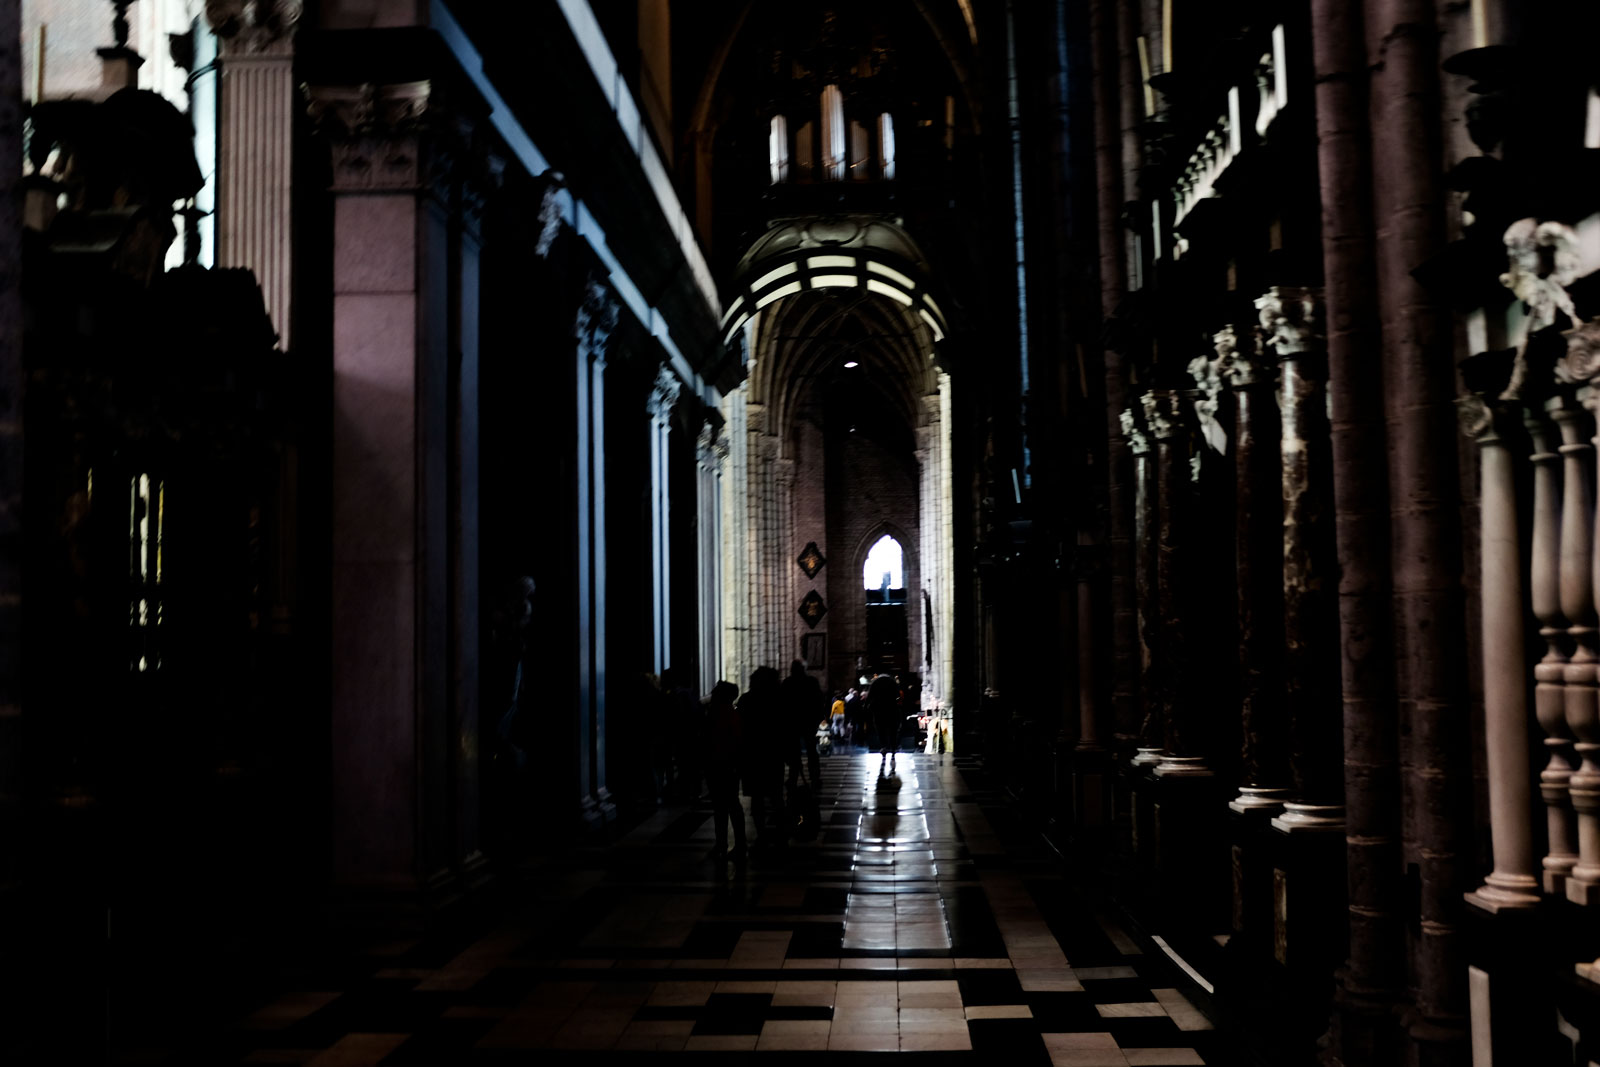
(1183, 410)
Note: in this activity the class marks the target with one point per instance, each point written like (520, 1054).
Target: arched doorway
(884, 583)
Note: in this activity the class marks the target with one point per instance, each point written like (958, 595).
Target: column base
(1582, 892)
(1258, 799)
(1297, 818)
(1500, 891)
(1183, 767)
(1146, 756)
(1556, 875)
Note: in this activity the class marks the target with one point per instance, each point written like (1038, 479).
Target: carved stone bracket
(663, 393)
(254, 27)
(596, 320)
(1290, 321)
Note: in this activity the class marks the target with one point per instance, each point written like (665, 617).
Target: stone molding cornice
(663, 393)
(248, 28)
(1290, 321)
(596, 320)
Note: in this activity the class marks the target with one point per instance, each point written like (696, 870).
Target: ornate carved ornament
(1543, 261)
(1290, 320)
(1138, 443)
(254, 27)
(596, 320)
(664, 393)
(709, 446)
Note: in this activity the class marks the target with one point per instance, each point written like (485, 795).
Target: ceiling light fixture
(851, 363)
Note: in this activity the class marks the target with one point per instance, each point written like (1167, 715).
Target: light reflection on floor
(894, 903)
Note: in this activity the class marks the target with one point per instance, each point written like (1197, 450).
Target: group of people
(766, 741)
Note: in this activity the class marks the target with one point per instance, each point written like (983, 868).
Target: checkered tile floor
(920, 921)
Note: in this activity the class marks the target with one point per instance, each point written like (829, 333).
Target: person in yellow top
(836, 716)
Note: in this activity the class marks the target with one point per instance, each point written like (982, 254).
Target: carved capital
(706, 445)
(1138, 443)
(552, 212)
(254, 27)
(664, 393)
(1163, 413)
(1475, 415)
(1207, 374)
(1290, 321)
(375, 132)
(596, 320)
(1580, 365)
(1238, 369)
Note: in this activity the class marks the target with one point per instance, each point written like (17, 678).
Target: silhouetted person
(883, 704)
(804, 709)
(764, 742)
(721, 741)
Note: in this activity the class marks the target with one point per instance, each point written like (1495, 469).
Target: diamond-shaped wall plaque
(811, 560)
(812, 609)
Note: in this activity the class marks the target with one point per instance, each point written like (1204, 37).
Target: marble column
(593, 326)
(255, 145)
(1258, 549)
(663, 395)
(1578, 607)
(708, 514)
(1144, 531)
(1291, 329)
(1511, 884)
(396, 166)
(1181, 754)
(1544, 580)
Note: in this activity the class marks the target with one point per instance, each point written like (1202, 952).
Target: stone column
(1512, 883)
(1544, 581)
(1291, 327)
(1144, 532)
(663, 395)
(1582, 711)
(1258, 550)
(396, 157)
(1181, 755)
(1577, 591)
(595, 322)
(255, 145)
